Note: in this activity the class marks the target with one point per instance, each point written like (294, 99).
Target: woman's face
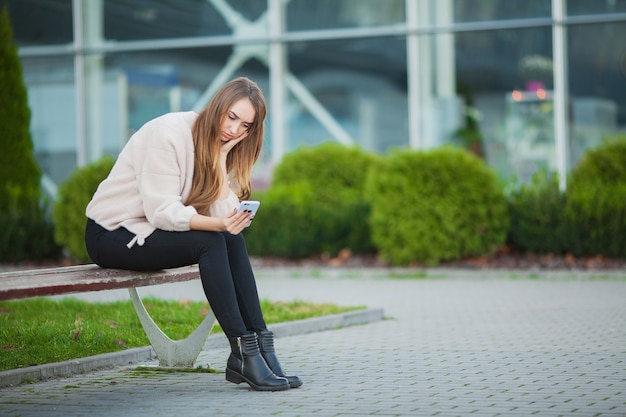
(238, 120)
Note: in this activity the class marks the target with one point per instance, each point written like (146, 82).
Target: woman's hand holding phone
(250, 207)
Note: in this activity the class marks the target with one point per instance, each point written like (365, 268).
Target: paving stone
(464, 345)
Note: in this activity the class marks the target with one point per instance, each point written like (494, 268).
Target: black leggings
(225, 269)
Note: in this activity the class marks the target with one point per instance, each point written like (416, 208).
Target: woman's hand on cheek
(227, 146)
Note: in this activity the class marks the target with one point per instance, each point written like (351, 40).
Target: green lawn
(41, 330)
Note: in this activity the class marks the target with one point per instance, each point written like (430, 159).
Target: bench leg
(172, 353)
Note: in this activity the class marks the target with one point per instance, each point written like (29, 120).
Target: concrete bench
(85, 278)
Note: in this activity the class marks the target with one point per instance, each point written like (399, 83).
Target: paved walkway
(454, 344)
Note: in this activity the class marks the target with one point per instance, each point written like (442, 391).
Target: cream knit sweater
(151, 180)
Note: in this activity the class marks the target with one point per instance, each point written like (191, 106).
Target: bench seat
(86, 278)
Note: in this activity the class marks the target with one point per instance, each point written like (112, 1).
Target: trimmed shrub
(595, 201)
(288, 223)
(27, 232)
(537, 213)
(436, 205)
(335, 175)
(604, 165)
(68, 211)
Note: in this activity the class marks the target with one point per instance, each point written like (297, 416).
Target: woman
(168, 203)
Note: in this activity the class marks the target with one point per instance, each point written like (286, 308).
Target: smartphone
(250, 207)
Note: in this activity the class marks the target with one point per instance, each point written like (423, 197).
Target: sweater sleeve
(161, 182)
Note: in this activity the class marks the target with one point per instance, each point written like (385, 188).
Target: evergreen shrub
(68, 211)
(27, 232)
(537, 213)
(595, 201)
(288, 223)
(19, 172)
(436, 205)
(26, 229)
(335, 175)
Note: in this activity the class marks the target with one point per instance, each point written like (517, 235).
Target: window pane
(124, 91)
(148, 84)
(155, 82)
(140, 86)
(41, 22)
(332, 14)
(157, 19)
(51, 97)
(361, 84)
(578, 7)
(250, 9)
(505, 80)
(485, 10)
(597, 82)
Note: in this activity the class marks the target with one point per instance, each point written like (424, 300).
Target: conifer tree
(27, 234)
(19, 172)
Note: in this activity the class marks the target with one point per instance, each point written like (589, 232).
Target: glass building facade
(536, 82)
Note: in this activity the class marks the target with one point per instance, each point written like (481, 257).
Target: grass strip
(43, 330)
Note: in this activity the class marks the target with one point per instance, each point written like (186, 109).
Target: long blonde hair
(207, 175)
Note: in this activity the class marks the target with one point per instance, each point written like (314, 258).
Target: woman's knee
(231, 239)
(235, 241)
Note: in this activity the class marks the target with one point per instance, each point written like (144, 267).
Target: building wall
(380, 74)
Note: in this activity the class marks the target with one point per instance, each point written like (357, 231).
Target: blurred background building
(528, 84)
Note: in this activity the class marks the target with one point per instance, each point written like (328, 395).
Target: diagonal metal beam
(244, 29)
(315, 107)
(233, 18)
(234, 62)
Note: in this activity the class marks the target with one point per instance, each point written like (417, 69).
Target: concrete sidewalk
(456, 343)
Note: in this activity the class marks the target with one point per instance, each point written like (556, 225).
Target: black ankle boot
(266, 344)
(245, 364)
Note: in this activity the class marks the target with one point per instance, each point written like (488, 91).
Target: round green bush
(604, 165)
(436, 205)
(68, 211)
(287, 223)
(335, 175)
(595, 201)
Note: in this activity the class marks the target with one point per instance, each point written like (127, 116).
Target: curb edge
(39, 373)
